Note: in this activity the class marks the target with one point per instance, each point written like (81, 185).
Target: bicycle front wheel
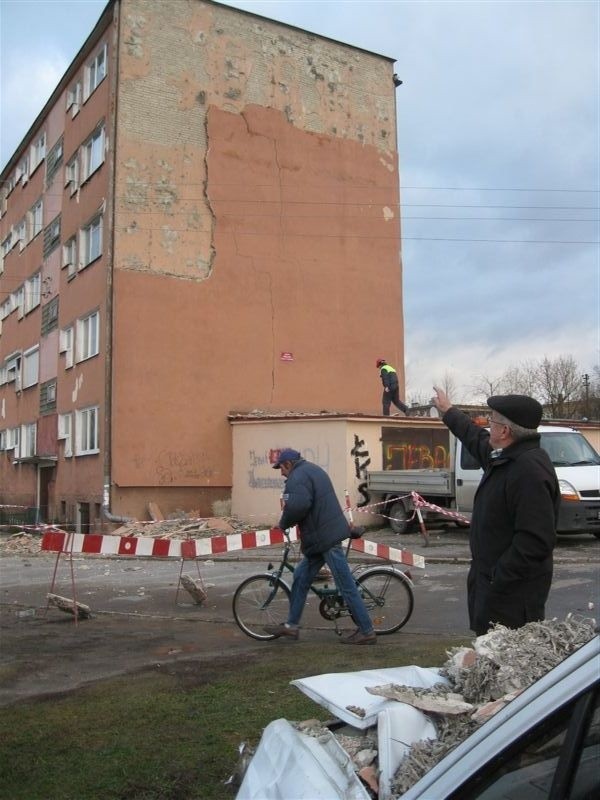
(388, 596)
(258, 601)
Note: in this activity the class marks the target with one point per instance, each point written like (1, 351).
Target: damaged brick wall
(256, 213)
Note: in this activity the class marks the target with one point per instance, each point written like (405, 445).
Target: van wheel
(399, 521)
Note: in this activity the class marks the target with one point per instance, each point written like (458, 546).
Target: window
(28, 437)
(87, 336)
(12, 369)
(32, 292)
(86, 428)
(53, 161)
(21, 234)
(70, 255)
(72, 174)
(17, 301)
(48, 397)
(66, 345)
(3, 440)
(50, 316)
(38, 152)
(90, 243)
(35, 215)
(5, 309)
(22, 170)
(65, 427)
(12, 438)
(31, 367)
(93, 153)
(95, 72)
(74, 98)
(51, 236)
(6, 248)
(3, 200)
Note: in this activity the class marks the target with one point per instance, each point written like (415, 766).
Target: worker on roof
(389, 379)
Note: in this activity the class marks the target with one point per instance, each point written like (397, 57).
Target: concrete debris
(68, 606)
(507, 661)
(432, 701)
(155, 512)
(481, 680)
(195, 588)
(20, 543)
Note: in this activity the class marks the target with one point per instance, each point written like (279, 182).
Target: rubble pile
(21, 543)
(481, 680)
(500, 665)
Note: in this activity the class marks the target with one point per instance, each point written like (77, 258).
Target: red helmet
(380, 362)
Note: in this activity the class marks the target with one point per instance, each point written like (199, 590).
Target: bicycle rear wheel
(389, 598)
(258, 601)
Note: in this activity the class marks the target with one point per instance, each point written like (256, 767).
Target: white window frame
(36, 219)
(21, 233)
(93, 153)
(3, 438)
(12, 439)
(17, 301)
(74, 98)
(87, 336)
(66, 345)
(5, 309)
(95, 71)
(22, 171)
(87, 439)
(90, 242)
(31, 367)
(70, 256)
(33, 292)
(28, 439)
(65, 432)
(37, 153)
(72, 174)
(6, 247)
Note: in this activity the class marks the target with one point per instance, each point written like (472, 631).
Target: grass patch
(172, 733)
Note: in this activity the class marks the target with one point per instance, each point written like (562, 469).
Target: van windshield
(569, 449)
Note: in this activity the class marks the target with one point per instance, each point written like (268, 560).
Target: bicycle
(264, 599)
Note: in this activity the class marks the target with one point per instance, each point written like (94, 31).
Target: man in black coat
(309, 501)
(513, 527)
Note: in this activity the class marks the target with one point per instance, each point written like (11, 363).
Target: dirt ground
(136, 625)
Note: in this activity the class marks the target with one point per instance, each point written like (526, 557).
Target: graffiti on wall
(362, 460)
(173, 466)
(260, 465)
(423, 448)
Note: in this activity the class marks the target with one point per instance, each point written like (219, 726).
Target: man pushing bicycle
(310, 502)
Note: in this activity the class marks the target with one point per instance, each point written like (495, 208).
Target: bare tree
(448, 385)
(560, 383)
(485, 386)
(522, 379)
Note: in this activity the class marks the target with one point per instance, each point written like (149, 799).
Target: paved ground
(137, 623)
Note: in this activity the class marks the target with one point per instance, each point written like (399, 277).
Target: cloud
(33, 78)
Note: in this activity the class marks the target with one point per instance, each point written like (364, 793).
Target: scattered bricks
(68, 606)
(369, 776)
(488, 710)
(195, 589)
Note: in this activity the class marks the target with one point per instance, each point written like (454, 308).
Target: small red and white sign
(286, 357)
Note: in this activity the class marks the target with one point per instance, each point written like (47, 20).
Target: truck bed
(427, 482)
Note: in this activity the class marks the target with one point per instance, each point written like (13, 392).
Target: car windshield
(569, 449)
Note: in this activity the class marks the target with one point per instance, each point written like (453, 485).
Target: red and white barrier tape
(420, 503)
(97, 544)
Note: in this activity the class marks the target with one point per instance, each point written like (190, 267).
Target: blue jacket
(310, 503)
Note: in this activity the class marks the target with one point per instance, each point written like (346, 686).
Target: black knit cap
(518, 408)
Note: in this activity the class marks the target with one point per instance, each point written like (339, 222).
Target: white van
(577, 467)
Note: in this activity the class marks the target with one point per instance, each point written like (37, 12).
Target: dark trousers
(392, 397)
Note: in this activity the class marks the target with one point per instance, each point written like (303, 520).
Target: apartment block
(203, 220)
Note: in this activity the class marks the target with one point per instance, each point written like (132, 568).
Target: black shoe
(281, 630)
(358, 637)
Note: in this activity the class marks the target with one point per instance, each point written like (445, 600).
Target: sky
(499, 148)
